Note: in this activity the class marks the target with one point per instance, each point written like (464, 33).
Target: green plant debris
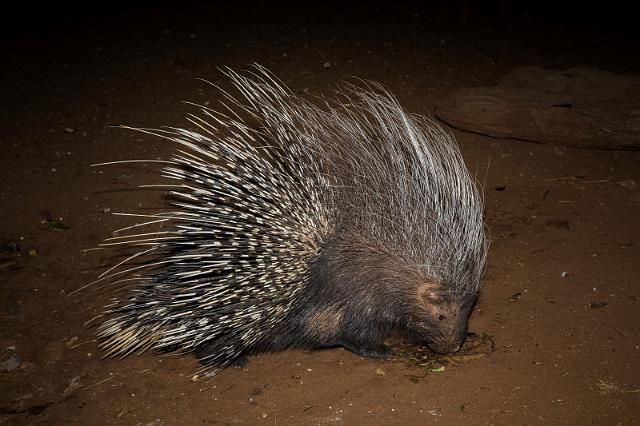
(56, 224)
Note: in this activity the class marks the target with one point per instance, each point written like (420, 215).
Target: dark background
(560, 297)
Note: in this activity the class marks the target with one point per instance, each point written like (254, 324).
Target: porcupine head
(315, 226)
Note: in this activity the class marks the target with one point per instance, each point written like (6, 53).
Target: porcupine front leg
(368, 349)
(329, 326)
(368, 343)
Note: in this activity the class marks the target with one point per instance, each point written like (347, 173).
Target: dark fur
(359, 297)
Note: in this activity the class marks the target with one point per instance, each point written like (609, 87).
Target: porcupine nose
(446, 347)
(451, 349)
(455, 344)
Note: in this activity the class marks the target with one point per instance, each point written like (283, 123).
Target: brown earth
(561, 297)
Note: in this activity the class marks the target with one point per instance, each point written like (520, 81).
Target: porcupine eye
(440, 317)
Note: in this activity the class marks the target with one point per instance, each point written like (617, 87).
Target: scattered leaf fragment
(56, 224)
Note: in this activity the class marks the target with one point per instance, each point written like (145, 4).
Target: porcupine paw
(379, 351)
(206, 353)
(240, 363)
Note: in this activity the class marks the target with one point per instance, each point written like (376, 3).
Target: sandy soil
(561, 295)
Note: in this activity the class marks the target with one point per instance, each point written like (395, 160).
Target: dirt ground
(561, 297)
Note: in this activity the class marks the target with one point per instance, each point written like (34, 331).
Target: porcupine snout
(448, 342)
(448, 334)
(443, 320)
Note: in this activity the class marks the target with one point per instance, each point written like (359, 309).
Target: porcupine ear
(429, 297)
(427, 291)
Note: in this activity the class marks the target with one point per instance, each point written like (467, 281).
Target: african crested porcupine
(302, 225)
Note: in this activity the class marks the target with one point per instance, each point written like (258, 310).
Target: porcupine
(303, 225)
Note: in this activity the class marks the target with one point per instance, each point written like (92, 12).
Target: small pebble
(11, 364)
